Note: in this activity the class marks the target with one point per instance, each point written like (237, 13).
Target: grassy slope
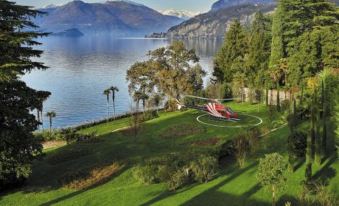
(232, 187)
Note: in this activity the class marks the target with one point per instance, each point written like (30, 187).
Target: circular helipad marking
(260, 121)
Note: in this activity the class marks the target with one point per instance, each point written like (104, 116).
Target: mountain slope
(214, 24)
(116, 17)
(223, 4)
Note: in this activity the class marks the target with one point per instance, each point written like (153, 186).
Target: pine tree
(233, 49)
(259, 51)
(18, 147)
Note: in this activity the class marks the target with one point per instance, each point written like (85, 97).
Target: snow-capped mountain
(180, 13)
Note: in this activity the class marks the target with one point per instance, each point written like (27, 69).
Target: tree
(233, 49)
(259, 51)
(114, 90)
(107, 92)
(18, 147)
(272, 173)
(172, 71)
(50, 115)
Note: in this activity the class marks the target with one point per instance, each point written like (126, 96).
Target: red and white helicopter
(214, 108)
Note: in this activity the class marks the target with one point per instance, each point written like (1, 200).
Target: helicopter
(214, 108)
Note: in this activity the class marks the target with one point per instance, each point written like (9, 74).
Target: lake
(81, 68)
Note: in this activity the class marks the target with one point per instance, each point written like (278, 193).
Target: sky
(189, 5)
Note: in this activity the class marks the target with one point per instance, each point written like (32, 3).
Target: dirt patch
(181, 131)
(83, 179)
(207, 142)
(53, 144)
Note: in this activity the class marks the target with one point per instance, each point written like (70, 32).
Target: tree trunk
(50, 125)
(278, 99)
(266, 97)
(107, 112)
(273, 195)
(114, 109)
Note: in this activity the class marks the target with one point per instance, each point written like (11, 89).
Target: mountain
(69, 33)
(222, 4)
(214, 24)
(180, 13)
(119, 18)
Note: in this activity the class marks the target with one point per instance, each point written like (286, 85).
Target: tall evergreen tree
(259, 51)
(233, 49)
(18, 147)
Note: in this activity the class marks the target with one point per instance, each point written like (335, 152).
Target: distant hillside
(222, 4)
(215, 23)
(115, 17)
(69, 33)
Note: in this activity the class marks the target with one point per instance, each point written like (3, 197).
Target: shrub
(204, 168)
(297, 143)
(178, 179)
(69, 135)
(227, 150)
(149, 115)
(147, 174)
(242, 147)
(253, 136)
(315, 193)
(49, 136)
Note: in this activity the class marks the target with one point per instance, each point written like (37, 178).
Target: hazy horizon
(189, 5)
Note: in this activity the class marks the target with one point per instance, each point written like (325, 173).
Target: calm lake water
(81, 68)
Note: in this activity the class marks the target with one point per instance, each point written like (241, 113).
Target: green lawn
(233, 186)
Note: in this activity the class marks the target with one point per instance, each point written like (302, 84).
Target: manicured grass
(158, 137)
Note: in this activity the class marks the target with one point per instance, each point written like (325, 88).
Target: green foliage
(147, 174)
(171, 70)
(18, 147)
(204, 168)
(178, 179)
(231, 56)
(272, 173)
(177, 170)
(242, 148)
(259, 50)
(49, 136)
(297, 143)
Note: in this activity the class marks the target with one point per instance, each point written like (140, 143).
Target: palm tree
(107, 92)
(50, 115)
(114, 89)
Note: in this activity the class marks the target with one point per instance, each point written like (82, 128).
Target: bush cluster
(69, 135)
(239, 147)
(177, 171)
